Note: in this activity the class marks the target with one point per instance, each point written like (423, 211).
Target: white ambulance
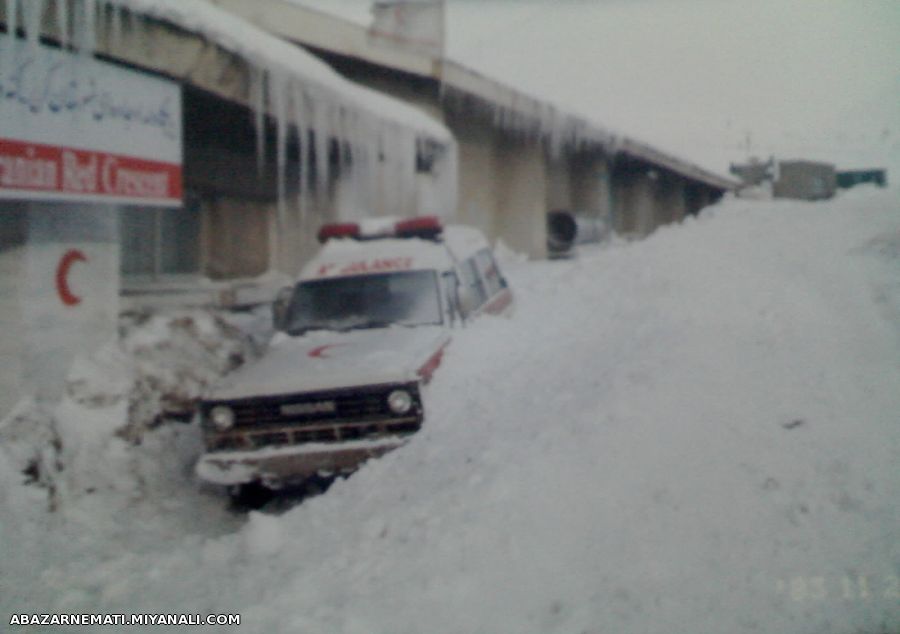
(362, 330)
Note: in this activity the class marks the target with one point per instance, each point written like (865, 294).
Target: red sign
(33, 168)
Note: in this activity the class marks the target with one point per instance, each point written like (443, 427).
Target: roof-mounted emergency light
(425, 227)
(338, 230)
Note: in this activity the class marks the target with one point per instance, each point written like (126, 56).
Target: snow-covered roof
(277, 57)
(511, 109)
(262, 50)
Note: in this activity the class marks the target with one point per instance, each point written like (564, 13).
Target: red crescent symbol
(319, 352)
(62, 276)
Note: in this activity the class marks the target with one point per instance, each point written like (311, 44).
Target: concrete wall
(478, 200)
(591, 185)
(646, 197)
(236, 238)
(634, 201)
(559, 184)
(669, 198)
(503, 185)
(521, 213)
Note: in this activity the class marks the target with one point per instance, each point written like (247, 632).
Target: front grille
(314, 407)
(255, 439)
(326, 416)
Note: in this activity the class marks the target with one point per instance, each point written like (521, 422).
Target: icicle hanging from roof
(302, 148)
(32, 11)
(62, 22)
(277, 98)
(322, 135)
(116, 24)
(525, 117)
(257, 99)
(12, 11)
(87, 27)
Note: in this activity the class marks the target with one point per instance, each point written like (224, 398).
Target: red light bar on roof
(338, 230)
(427, 227)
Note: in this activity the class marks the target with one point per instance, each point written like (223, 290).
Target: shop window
(159, 242)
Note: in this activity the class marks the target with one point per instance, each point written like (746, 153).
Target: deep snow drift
(692, 433)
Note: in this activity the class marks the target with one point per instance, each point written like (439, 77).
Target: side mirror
(280, 308)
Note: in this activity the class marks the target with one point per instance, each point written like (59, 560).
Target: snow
(271, 54)
(692, 433)
(239, 467)
(323, 360)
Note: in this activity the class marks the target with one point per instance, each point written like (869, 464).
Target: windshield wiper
(372, 323)
(361, 325)
(297, 332)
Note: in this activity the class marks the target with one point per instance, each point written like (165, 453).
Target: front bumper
(281, 466)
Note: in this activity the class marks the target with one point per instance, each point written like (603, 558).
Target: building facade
(519, 157)
(170, 153)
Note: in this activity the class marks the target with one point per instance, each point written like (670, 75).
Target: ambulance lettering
(381, 265)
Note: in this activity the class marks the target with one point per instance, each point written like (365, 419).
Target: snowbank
(153, 374)
(692, 433)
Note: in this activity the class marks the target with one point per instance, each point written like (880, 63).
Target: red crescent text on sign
(62, 276)
(319, 351)
(82, 173)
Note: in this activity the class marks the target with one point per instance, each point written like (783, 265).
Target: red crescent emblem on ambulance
(319, 352)
(62, 276)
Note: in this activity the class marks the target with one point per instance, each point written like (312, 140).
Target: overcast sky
(713, 80)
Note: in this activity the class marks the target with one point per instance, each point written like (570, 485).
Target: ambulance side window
(473, 292)
(451, 295)
(490, 272)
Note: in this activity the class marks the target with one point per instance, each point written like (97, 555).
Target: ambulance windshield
(378, 300)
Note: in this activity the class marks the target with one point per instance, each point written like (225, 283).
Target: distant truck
(804, 180)
(362, 331)
(851, 178)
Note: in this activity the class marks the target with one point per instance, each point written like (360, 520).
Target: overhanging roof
(315, 29)
(226, 32)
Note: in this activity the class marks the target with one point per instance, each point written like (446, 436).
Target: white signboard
(75, 128)
(69, 301)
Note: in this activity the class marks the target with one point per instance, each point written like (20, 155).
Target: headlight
(400, 401)
(222, 417)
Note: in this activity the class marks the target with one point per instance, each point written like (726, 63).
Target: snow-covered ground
(692, 433)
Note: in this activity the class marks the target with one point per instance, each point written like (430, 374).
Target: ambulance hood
(321, 360)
